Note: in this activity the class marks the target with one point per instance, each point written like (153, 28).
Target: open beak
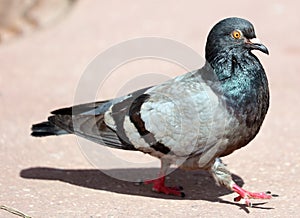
(255, 44)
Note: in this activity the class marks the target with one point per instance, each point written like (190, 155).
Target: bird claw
(246, 195)
(168, 190)
(159, 186)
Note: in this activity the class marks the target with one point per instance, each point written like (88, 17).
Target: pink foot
(159, 186)
(246, 195)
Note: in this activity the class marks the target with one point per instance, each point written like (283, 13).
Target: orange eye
(236, 34)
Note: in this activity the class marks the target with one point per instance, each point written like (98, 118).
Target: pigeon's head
(232, 37)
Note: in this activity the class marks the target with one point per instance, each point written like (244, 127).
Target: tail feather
(85, 120)
(46, 129)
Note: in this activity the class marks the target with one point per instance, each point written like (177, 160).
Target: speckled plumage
(198, 117)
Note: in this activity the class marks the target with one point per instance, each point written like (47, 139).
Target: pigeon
(191, 120)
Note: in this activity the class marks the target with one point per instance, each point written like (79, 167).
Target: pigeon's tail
(46, 129)
(61, 122)
(85, 120)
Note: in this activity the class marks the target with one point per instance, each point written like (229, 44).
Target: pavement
(40, 72)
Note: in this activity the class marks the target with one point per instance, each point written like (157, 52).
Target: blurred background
(19, 17)
(45, 46)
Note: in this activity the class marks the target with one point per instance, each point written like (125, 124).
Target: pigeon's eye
(236, 34)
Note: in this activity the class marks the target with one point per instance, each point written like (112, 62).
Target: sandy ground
(50, 177)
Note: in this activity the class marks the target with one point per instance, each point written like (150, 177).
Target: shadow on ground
(198, 185)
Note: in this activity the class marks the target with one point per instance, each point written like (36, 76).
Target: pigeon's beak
(255, 44)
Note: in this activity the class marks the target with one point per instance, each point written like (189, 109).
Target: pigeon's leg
(159, 183)
(223, 177)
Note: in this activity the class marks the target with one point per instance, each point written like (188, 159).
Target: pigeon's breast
(246, 97)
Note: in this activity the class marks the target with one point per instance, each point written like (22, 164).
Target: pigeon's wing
(81, 108)
(182, 116)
